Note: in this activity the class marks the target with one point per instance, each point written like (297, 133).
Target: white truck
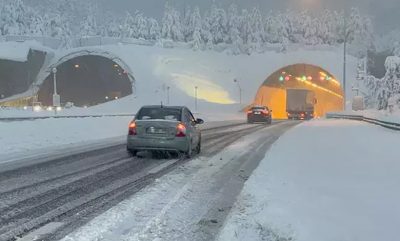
(300, 104)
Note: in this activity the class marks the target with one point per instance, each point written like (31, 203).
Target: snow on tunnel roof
(18, 51)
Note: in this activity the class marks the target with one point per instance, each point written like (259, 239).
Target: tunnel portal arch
(87, 78)
(327, 89)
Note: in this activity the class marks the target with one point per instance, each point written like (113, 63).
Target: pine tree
(187, 27)
(310, 34)
(13, 21)
(196, 23)
(154, 29)
(127, 29)
(171, 25)
(257, 34)
(89, 26)
(218, 24)
(271, 29)
(142, 27)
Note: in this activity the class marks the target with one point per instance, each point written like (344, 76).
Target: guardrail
(385, 124)
(30, 118)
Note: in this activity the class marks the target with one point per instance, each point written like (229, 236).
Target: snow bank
(18, 51)
(324, 180)
(26, 136)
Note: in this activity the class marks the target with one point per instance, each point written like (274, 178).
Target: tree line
(243, 30)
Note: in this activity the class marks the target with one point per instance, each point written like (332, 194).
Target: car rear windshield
(159, 114)
(259, 108)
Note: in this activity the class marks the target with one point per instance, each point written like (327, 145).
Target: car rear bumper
(300, 117)
(180, 144)
(259, 118)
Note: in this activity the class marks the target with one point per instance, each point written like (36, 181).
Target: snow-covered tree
(187, 27)
(57, 27)
(382, 90)
(234, 33)
(89, 26)
(13, 17)
(218, 24)
(257, 34)
(196, 23)
(142, 27)
(359, 32)
(271, 29)
(311, 31)
(154, 29)
(171, 24)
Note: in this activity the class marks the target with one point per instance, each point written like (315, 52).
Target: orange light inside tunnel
(319, 87)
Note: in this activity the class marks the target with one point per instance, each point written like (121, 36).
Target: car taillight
(180, 130)
(265, 112)
(302, 114)
(132, 128)
(249, 112)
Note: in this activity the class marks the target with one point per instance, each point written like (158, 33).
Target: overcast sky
(385, 13)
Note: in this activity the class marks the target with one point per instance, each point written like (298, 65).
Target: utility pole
(345, 58)
(195, 96)
(168, 88)
(240, 90)
(56, 97)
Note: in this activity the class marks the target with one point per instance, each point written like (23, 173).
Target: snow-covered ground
(323, 180)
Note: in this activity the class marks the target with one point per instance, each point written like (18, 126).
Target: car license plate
(257, 113)
(154, 130)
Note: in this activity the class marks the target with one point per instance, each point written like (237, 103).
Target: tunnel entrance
(16, 77)
(86, 81)
(326, 90)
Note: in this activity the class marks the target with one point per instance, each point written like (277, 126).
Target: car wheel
(132, 153)
(189, 152)
(198, 148)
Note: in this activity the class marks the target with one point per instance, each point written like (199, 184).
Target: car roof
(259, 106)
(164, 106)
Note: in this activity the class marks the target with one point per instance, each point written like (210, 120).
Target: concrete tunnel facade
(17, 75)
(84, 78)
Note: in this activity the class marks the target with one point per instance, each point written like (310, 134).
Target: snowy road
(51, 199)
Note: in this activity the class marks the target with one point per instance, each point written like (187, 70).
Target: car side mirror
(199, 121)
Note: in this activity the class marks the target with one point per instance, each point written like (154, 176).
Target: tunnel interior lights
(319, 87)
(325, 76)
